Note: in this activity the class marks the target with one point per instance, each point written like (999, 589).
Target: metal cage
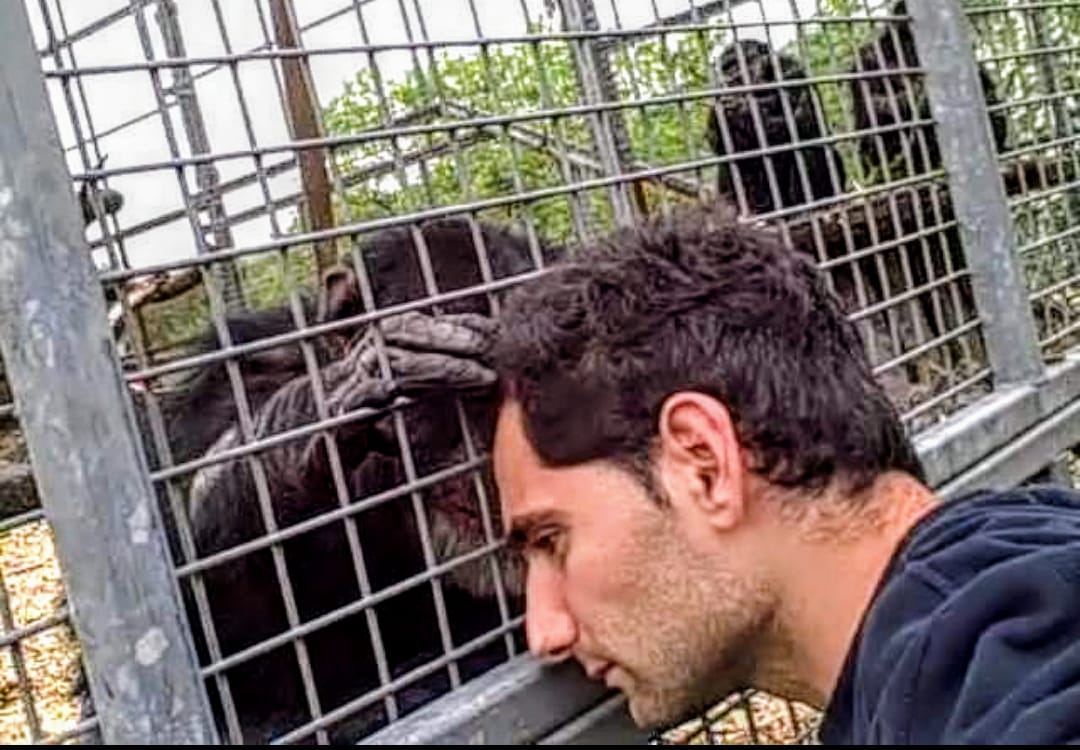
(180, 183)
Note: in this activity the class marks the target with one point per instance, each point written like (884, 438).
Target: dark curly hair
(697, 301)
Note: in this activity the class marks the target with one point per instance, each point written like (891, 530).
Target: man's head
(673, 397)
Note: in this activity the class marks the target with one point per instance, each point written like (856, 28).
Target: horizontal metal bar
(98, 24)
(1044, 193)
(1013, 104)
(1014, 7)
(964, 385)
(531, 196)
(872, 250)
(377, 134)
(1023, 456)
(1056, 286)
(606, 724)
(433, 44)
(927, 346)
(1056, 237)
(22, 519)
(78, 730)
(325, 519)
(347, 610)
(278, 438)
(404, 680)
(1031, 148)
(515, 703)
(314, 331)
(38, 626)
(1059, 335)
(907, 295)
(1031, 52)
(991, 423)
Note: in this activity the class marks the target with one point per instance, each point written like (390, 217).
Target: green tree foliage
(436, 162)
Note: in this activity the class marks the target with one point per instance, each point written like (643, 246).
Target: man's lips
(601, 672)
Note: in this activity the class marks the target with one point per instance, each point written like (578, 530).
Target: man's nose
(549, 626)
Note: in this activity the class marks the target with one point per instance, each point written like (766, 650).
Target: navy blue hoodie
(973, 635)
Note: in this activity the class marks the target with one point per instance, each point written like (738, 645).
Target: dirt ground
(49, 658)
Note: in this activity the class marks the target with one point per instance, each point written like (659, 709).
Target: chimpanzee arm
(425, 354)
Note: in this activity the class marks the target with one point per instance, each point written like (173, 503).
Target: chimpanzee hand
(423, 353)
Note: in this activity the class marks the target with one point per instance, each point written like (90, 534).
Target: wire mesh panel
(286, 200)
(1032, 49)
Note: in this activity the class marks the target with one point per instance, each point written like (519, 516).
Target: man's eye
(546, 543)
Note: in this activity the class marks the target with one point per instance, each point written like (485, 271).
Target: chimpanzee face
(462, 509)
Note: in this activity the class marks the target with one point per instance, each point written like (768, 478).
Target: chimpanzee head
(434, 429)
(758, 66)
(750, 62)
(393, 264)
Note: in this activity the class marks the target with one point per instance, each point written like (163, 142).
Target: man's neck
(831, 573)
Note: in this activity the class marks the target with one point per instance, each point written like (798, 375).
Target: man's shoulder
(972, 534)
(947, 633)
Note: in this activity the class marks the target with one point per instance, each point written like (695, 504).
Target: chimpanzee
(882, 101)
(757, 66)
(437, 361)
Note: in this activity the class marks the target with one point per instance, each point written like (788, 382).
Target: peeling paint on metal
(150, 647)
(139, 523)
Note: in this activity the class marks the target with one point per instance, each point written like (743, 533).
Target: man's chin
(652, 713)
(648, 713)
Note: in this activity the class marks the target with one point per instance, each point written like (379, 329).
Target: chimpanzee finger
(482, 324)
(453, 334)
(360, 390)
(428, 370)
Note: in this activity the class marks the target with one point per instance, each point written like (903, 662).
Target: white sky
(117, 97)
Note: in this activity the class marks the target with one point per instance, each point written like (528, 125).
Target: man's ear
(340, 294)
(702, 458)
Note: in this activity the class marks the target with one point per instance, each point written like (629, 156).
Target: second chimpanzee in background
(761, 119)
(885, 101)
(900, 99)
(435, 359)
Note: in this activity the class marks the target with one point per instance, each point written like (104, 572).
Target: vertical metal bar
(598, 85)
(943, 44)
(337, 470)
(80, 431)
(117, 254)
(206, 174)
(576, 200)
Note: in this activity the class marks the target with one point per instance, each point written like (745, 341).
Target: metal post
(80, 432)
(206, 174)
(597, 85)
(944, 46)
